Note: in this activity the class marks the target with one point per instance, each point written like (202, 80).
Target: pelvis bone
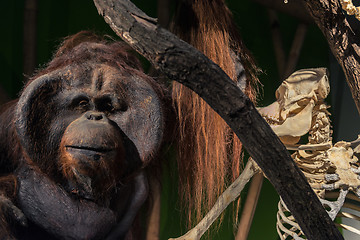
(290, 116)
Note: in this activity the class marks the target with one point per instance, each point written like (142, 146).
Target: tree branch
(227, 197)
(343, 43)
(249, 208)
(181, 62)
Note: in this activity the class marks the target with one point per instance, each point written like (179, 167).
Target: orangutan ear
(34, 111)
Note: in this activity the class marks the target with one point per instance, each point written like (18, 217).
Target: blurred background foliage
(57, 19)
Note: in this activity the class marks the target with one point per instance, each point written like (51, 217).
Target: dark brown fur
(46, 142)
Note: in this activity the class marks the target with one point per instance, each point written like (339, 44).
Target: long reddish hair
(210, 154)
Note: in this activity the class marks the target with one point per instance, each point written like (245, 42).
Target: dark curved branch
(181, 62)
(342, 40)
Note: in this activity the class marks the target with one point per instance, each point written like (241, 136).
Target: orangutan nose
(96, 116)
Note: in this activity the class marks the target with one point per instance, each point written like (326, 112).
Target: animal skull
(290, 116)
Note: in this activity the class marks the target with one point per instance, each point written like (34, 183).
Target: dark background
(57, 19)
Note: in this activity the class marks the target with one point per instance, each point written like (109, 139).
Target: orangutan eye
(110, 105)
(123, 106)
(83, 103)
(104, 105)
(80, 102)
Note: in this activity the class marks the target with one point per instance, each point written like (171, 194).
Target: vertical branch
(277, 42)
(29, 44)
(295, 49)
(250, 207)
(153, 226)
(285, 69)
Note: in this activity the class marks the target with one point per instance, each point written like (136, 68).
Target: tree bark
(342, 40)
(183, 63)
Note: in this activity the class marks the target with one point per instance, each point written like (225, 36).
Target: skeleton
(332, 170)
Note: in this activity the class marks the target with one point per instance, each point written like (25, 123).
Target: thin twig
(228, 196)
